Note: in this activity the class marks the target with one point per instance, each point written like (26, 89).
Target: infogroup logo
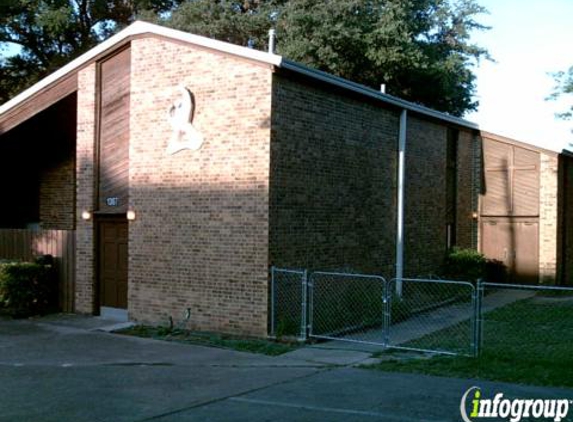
(474, 406)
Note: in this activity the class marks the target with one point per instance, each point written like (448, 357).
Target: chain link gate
(349, 307)
(426, 315)
(289, 300)
(438, 316)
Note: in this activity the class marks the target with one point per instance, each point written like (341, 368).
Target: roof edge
(135, 29)
(364, 90)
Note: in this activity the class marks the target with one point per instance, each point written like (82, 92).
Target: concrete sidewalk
(59, 369)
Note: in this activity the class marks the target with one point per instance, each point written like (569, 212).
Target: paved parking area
(59, 370)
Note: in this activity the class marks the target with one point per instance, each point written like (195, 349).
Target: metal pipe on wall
(400, 202)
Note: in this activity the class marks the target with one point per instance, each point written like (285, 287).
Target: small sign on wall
(112, 201)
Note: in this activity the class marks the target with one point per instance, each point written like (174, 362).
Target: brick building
(185, 167)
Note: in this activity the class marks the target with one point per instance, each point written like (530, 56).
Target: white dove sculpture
(180, 115)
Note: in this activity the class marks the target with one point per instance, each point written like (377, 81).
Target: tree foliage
(420, 49)
(564, 86)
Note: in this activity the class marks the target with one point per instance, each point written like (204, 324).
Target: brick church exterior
(272, 163)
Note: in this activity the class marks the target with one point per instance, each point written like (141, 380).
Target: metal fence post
(273, 305)
(478, 323)
(310, 301)
(303, 319)
(387, 312)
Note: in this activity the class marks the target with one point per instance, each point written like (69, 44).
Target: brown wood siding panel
(41, 101)
(497, 196)
(516, 244)
(496, 154)
(511, 180)
(526, 193)
(497, 158)
(114, 132)
(25, 244)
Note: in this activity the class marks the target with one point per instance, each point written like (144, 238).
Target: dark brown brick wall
(468, 178)
(333, 188)
(425, 203)
(57, 186)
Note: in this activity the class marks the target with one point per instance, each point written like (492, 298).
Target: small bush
(464, 264)
(469, 265)
(28, 288)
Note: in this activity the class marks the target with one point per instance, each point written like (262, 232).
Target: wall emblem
(180, 115)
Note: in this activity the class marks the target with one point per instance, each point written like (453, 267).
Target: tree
(564, 86)
(420, 49)
(49, 33)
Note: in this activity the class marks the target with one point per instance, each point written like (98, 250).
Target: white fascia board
(140, 28)
(364, 90)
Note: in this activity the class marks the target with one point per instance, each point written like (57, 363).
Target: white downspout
(272, 40)
(400, 205)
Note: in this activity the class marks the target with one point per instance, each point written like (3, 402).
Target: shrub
(28, 288)
(464, 264)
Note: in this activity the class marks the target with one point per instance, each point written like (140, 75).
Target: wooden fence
(23, 245)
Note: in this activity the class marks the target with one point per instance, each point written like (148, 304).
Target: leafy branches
(420, 49)
(564, 86)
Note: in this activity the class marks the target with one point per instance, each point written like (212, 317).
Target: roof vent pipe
(383, 88)
(272, 40)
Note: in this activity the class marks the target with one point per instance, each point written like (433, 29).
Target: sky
(529, 39)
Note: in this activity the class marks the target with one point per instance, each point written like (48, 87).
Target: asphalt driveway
(59, 369)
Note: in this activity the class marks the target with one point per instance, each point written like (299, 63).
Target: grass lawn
(529, 342)
(242, 344)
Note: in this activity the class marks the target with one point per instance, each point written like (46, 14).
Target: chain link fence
(428, 315)
(348, 306)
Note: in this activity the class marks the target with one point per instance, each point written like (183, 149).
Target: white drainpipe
(400, 205)
(272, 40)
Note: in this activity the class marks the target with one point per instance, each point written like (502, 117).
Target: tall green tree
(49, 33)
(420, 49)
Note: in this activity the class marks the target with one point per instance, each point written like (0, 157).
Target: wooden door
(112, 247)
(526, 256)
(516, 244)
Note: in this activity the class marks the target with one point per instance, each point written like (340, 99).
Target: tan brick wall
(548, 218)
(333, 186)
(200, 239)
(85, 190)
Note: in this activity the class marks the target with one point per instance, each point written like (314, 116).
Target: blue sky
(528, 39)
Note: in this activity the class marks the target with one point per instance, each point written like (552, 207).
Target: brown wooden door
(113, 263)
(516, 244)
